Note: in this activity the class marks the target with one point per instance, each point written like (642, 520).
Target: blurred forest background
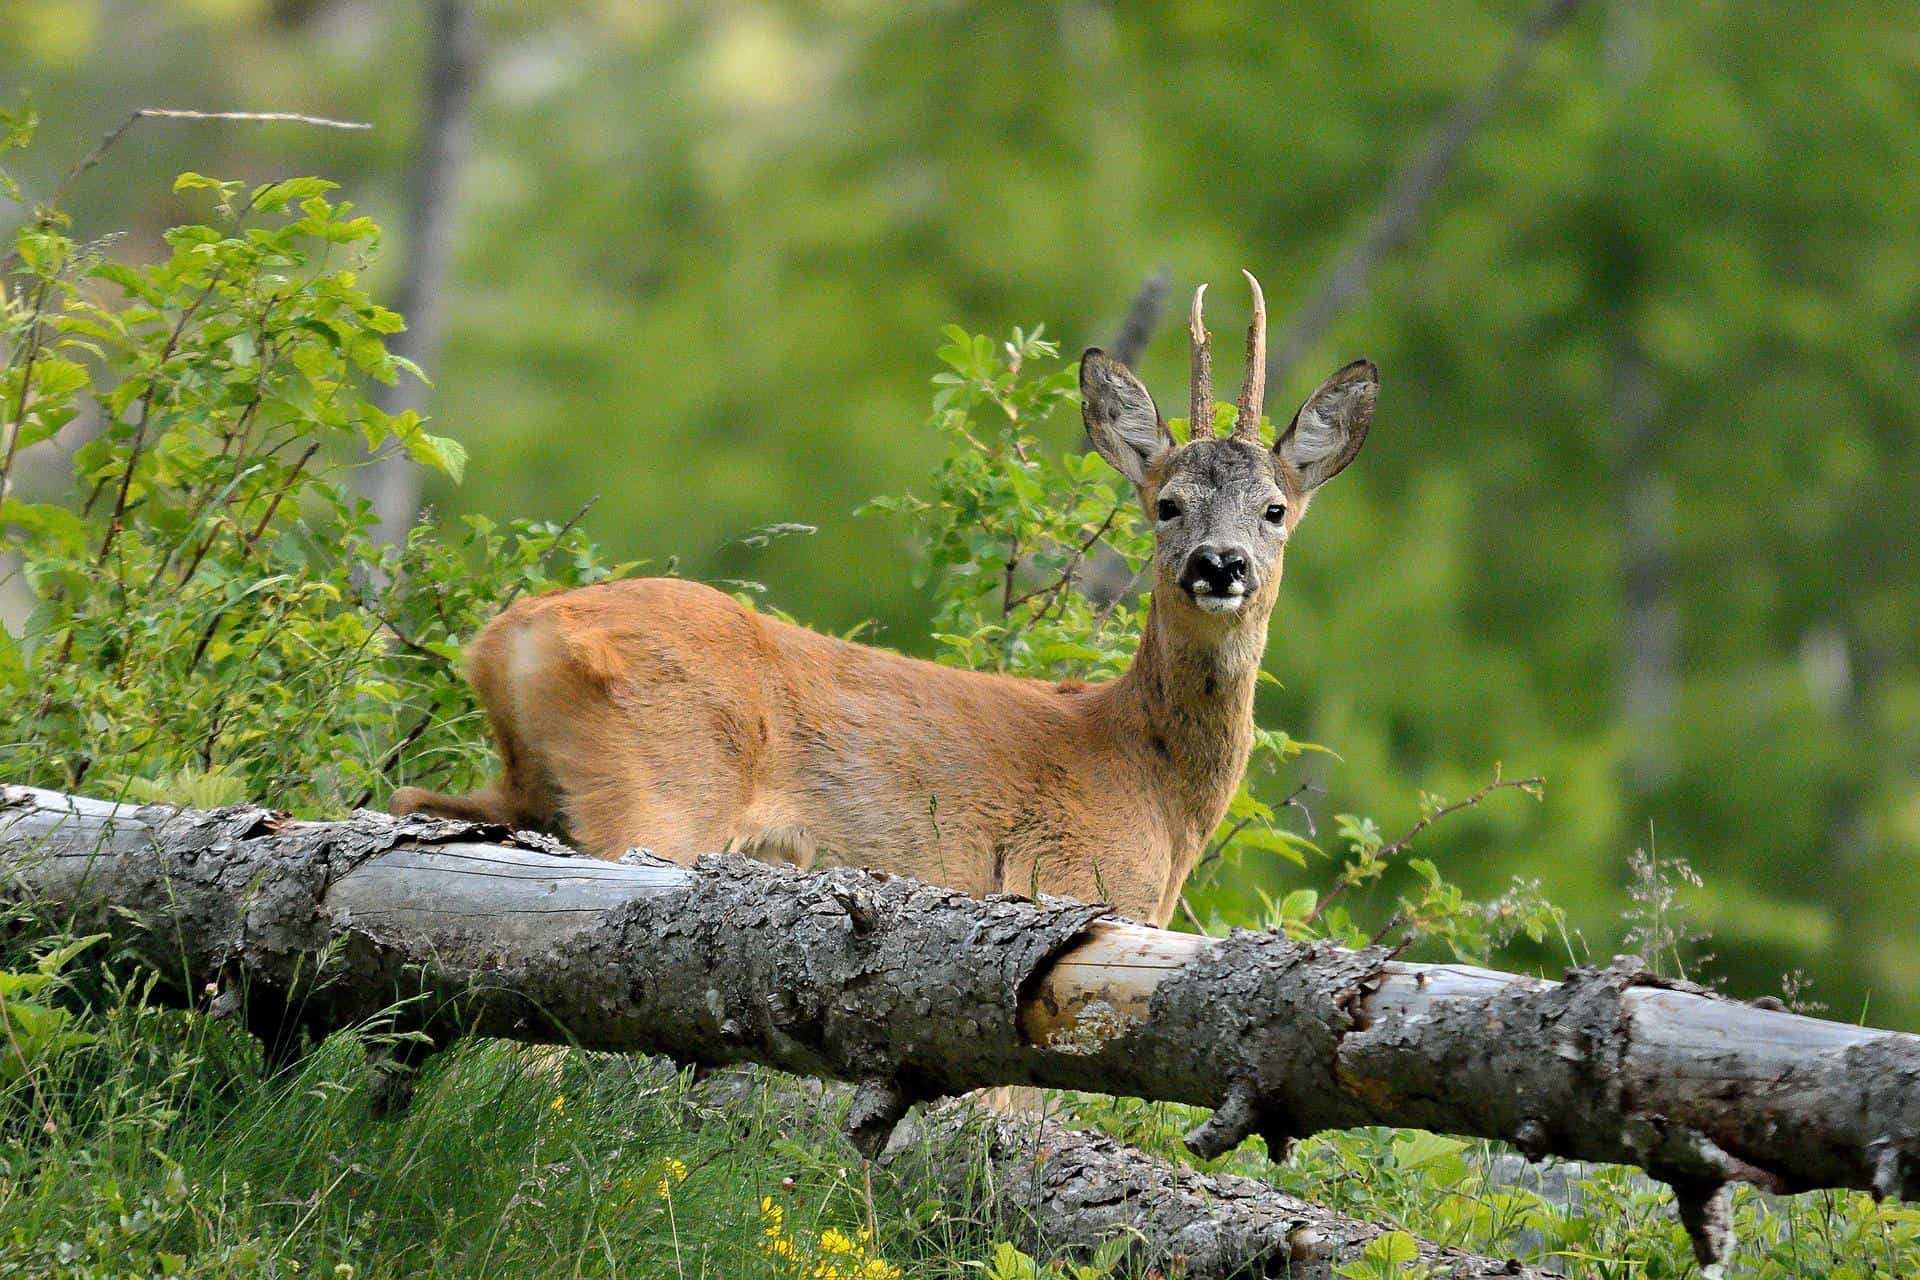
(1639, 511)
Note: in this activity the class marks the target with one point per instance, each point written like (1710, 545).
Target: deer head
(1223, 506)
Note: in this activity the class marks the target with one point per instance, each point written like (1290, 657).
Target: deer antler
(1202, 416)
(1253, 392)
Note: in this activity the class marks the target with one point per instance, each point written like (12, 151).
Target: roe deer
(659, 712)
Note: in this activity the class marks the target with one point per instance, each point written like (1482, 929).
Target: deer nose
(1217, 571)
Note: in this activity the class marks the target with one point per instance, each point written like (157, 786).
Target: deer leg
(492, 803)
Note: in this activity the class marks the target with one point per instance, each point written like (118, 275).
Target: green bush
(214, 619)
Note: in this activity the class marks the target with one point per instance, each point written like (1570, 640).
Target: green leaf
(56, 960)
(61, 528)
(442, 453)
(274, 196)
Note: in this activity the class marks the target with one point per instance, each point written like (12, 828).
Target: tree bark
(1058, 1190)
(916, 992)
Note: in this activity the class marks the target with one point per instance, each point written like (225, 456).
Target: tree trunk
(440, 158)
(1649, 618)
(916, 992)
(1413, 186)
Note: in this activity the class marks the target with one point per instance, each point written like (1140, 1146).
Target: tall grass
(164, 1147)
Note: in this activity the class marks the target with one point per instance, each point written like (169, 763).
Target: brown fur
(661, 713)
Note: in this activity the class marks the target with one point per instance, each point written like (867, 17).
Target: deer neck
(1188, 699)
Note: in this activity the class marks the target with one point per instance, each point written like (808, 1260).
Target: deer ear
(1332, 425)
(1120, 415)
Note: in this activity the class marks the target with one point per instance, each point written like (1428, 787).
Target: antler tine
(1253, 392)
(1202, 416)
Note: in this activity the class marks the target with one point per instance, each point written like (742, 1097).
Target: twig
(114, 135)
(393, 756)
(1293, 802)
(1220, 846)
(19, 424)
(247, 542)
(565, 529)
(408, 642)
(1006, 582)
(119, 131)
(1386, 853)
(1067, 571)
(1124, 593)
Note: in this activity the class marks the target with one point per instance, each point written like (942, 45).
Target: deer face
(1223, 508)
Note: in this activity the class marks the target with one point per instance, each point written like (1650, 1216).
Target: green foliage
(33, 1031)
(161, 1147)
(1009, 1263)
(214, 620)
(214, 624)
(1020, 543)
(1394, 1255)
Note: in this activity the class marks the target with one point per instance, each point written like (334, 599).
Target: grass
(163, 1148)
(142, 1141)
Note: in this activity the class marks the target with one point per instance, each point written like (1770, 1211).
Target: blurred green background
(1639, 510)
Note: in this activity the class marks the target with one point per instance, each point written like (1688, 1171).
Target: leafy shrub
(214, 618)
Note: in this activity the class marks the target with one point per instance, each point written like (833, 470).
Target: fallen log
(1058, 1190)
(916, 992)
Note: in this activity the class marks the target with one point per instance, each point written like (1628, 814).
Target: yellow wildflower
(833, 1240)
(671, 1171)
(559, 1105)
(879, 1269)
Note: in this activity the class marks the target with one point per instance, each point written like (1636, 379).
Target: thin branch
(113, 136)
(392, 757)
(18, 425)
(1006, 577)
(1411, 190)
(1068, 571)
(565, 529)
(1193, 918)
(1387, 853)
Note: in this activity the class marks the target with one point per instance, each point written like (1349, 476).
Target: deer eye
(1166, 509)
(1276, 512)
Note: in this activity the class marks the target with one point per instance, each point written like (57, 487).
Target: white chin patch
(1221, 604)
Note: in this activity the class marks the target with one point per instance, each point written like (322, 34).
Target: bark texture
(1053, 1189)
(915, 992)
